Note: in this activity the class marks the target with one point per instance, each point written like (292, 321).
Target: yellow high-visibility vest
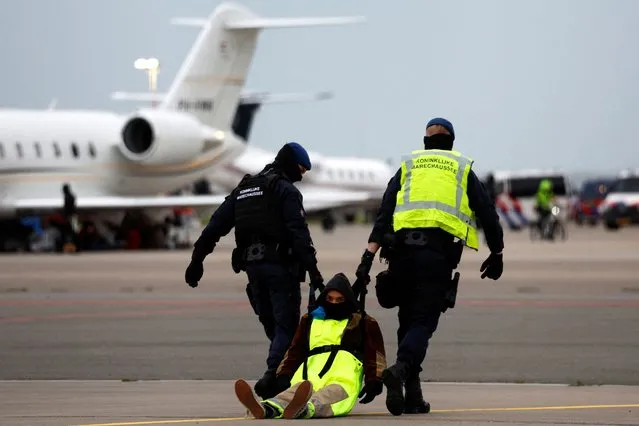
(433, 194)
(346, 370)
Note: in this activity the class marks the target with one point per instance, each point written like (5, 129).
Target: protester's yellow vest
(346, 370)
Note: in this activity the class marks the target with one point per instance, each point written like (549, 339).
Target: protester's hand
(266, 387)
(370, 391)
(492, 267)
(282, 382)
(194, 273)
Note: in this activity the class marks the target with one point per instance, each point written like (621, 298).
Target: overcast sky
(527, 83)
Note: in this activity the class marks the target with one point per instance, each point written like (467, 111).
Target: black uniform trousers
(422, 277)
(275, 296)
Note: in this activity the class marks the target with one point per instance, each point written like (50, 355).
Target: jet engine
(156, 137)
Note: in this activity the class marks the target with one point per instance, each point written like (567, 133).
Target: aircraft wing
(115, 203)
(313, 200)
(321, 199)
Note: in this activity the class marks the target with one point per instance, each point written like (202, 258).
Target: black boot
(265, 387)
(414, 401)
(393, 378)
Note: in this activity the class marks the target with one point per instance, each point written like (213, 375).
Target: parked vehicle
(586, 206)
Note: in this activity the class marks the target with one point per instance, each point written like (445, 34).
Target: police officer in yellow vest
(429, 211)
(335, 359)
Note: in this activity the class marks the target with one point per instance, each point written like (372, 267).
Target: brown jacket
(374, 353)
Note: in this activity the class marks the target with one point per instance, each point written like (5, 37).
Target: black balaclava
(286, 161)
(338, 311)
(440, 140)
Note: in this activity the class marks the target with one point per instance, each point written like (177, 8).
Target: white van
(621, 205)
(522, 185)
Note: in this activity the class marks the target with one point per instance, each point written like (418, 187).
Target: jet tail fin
(209, 83)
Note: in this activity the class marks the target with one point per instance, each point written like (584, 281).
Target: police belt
(422, 238)
(435, 239)
(264, 252)
(333, 349)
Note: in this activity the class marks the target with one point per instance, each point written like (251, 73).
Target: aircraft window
(19, 149)
(329, 172)
(371, 175)
(56, 149)
(74, 150)
(351, 175)
(1, 151)
(91, 150)
(341, 174)
(362, 176)
(38, 152)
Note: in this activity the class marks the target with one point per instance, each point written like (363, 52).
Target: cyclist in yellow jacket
(543, 199)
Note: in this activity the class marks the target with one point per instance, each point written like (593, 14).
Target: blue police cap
(300, 155)
(438, 121)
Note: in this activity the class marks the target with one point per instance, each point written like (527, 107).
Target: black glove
(282, 382)
(492, 267)
(194, 273)
(270, 385)
(370, 391)
(357, 287)
(365, 266)
(317, 281)
(265, 387)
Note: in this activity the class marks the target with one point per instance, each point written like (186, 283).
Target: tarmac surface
(564, 314)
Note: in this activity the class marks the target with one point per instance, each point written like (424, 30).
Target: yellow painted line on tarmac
(452, 410)
(168, 422)
(557, 407)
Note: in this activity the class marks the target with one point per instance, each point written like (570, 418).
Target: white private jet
(341, 176)
(114, 163)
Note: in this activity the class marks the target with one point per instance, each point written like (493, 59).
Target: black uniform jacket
(293, 215)
(478, 200)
